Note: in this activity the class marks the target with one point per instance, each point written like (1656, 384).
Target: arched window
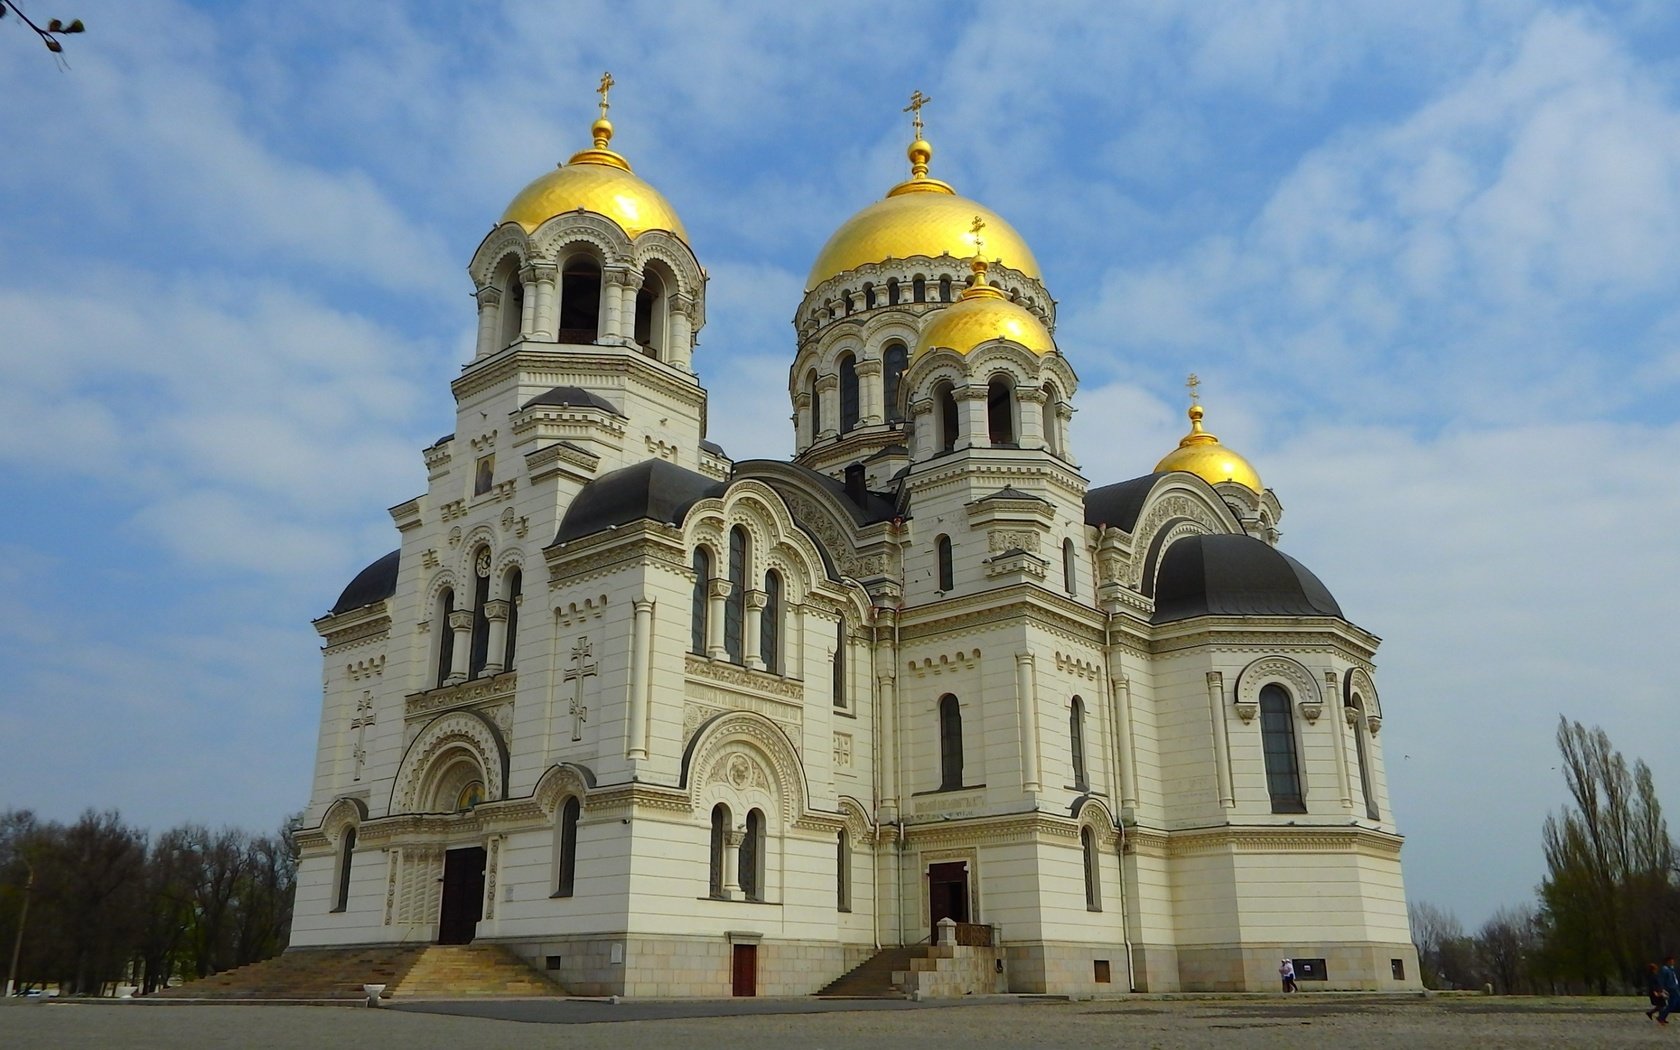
(511, 320)
(945, 413)
(752, 857)
(1277, 740)
(735, 606)
(950, 744)
(650, 314)
(566, 840)
(1366, 788)
(1070, 581)
(816, 405)
(720, 851)
(945, 289)
(770, 624)
(697, 613)
(918, 289)
(1076, 742)
(1093, 873)
(848, 393)
(892, 291)
(893, 362)
(1052, 435)
(840, 664)
(843, 873)
(445, 636)
(869, 297)
(511, 587)
(846, 297)
(1000, 411)
(942, 553)
(480, 651)
(346, 850)
(580, 300)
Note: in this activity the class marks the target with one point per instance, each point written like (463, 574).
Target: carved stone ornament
(1246, 712)
(1285, 672)
(1310, 711)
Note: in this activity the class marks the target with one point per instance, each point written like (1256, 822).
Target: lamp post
(17, 942)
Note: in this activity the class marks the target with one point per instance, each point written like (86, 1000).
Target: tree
(50, 33)
(1505, 949)
(1445, 955)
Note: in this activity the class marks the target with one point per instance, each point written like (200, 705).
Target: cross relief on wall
(582, 667)
(364, 718)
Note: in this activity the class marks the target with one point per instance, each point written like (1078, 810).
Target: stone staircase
(409, 971)
(874, 977)
(950, 971)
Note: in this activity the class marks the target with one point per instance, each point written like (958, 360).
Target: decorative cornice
(354, 625)
(478, 691)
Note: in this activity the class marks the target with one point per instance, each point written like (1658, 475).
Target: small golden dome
(980, 315)
(1201, 454)
(600, 181)
(920, 216)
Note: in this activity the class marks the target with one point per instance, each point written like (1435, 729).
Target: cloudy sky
(1425, 257)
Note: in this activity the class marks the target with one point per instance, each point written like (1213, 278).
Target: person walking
(1286, 970)
(1671, 986)
(1654, 991)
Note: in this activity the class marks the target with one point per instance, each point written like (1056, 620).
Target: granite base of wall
(1250, 967)
(1069, 968)
(659, 967)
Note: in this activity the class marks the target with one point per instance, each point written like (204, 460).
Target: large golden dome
(982, 314)
(1201, 454)
(600, 181)
(920, 216)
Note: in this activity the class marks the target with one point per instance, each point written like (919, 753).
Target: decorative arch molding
(442, 580)
(1092, 812)
(561, 780)
(771, 527)
(344, 813)
(859, 828)
(735, 748)
(466, 731)
(511, 558)
(560, 236)
(507, 239)
(1173, 499)
(1357, 683)
(1291, 674)
(674, 257)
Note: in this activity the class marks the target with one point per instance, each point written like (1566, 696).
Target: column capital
(496, 609)
(461, 620)
(488, 296)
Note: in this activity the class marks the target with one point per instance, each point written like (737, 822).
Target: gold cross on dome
(1193, 382)
(975, 228)
(917, 101)
(607, 83)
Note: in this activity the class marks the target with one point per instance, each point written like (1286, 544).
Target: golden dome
(980, 315)
(1201, 454)
(600, 181)
(920, 216)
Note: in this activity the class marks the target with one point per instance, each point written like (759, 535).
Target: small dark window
(945, 404)
(347, 850)
(944, 289)
(1100, 972)
(894, 361)
(752, 857)
(735, 606)
(918, 289)
(947, 575)
(514, 581)
(580, 300)
(1093, 887)
(445, 637)
(568, 848)
(843, 873)
(1277, 737)
(697, 613)
(551, 962)
(848, 393)
(720, 833)
(1398, 968)
(1069, 564)
(869, 297)
(816, 406)
(1076, 737)
(481, 622)
(1366, 787)
(950, 743)
(1311, 970)
(840, 664)
(770, 624)
(892, 292)
(1000, 412)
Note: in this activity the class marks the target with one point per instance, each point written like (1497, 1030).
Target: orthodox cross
(364, 718)
(1193, 382)
(917, 101)
(975, 228)
(607, 83)
(582, 667)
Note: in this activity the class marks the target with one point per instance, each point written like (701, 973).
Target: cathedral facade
(665, 723)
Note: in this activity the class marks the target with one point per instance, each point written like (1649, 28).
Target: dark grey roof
(1236, 576)
(441, 440)
(1119, 505)
(651, 489)
(876, 506)
(883, 453)
(573, 397)
(373, 584)
(1011, 492)
(714, 448)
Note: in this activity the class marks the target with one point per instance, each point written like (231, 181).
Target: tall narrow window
(950, 743)
(511, 586)
(892, 291)
(1277, 739)
(580, 300)
(848, 393)
(1093, 874)
(1366, 788)
(735, 606)
(512, 318)
(1076, 741)
(945, 289)
(752, 857)
(567, 876)
(697, 612)
(869, 297)
(1000, 412)
(1069, 582)
(1052, 430)
(346, 851)
(445, 637)
(481, 623)
(840, 663)
(770, 624)
(816, 405)
(918, 289)
(720, 851)
(893, 362)
(945, 408)
(843, 873)
(942, 553)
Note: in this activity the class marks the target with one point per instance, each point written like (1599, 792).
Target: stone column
(794, 646)
(732, 862)
(922, 441)
(679, 333)
(870, 394)
(1026, 698)
(1338, 740)
(460, 645)
(542, 281)
(1121, 690)
(752, 630)
(1029, 412)
(489, 320)
(886, 688)
(528, 308)
(971, 410)
(612, 302)
(627, 307)
(1221, 745)
(1064, 416)
(802, 421)
(828, 392)
(496, 611)
(716, 592)
(641, 665)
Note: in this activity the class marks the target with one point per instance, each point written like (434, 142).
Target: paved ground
(1235, 1024)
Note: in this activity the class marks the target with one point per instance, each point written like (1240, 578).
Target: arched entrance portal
(463, 895)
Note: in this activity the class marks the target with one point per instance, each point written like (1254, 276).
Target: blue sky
(1425, 258)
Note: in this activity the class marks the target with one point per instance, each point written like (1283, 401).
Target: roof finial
(607, 83)
(917, 101)
(979, 287)
(920, 152)
(1196, 411)
(1193, 382)
(602, 128)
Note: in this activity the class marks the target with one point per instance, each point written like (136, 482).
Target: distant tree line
(109, 904)
(1609, 904)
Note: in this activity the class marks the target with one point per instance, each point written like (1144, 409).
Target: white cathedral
(665, 723)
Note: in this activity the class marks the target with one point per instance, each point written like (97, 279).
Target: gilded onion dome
(600, 181)
(981, 314)
(1201, 454)
(920, 216)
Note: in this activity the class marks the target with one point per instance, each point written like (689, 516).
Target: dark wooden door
(746, 969)
(947, 894)
(463, 895)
